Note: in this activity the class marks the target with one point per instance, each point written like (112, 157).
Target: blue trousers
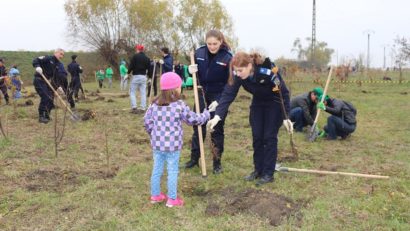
(217, 136)
(297, 116)
(172, 161)
(46, 96)
(337, 127)
(265, 122)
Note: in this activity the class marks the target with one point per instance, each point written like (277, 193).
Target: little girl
(163, 122)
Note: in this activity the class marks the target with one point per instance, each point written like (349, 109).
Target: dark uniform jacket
(53, 70)
(262, 93)
(74, 69)
(213, 70)
(168, 63)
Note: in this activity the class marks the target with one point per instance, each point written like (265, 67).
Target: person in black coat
(212, 68)
(53, 69)
(256, 75)
(75, 70)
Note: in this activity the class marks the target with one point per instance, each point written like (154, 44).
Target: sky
(271, 25)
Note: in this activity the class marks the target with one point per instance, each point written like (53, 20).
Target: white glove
(212, 106)
(161, 61)
(125, 76)
(193, 68)
(288, 125)
(60, 91)
(39, 70)
(213, 122)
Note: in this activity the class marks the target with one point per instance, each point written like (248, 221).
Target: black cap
(73, 57)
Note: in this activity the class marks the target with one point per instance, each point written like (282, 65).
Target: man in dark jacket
(52, 68)
(303, 108)
(139, 65)
(167, 61)
(342, 121)
(75, 70)
(3, 75)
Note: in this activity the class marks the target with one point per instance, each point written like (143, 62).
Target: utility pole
(313, 31)
(384, 55)
(368, 32)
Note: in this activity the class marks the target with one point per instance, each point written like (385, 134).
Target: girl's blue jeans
(172, 161)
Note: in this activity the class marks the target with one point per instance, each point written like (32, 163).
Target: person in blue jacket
(167, 62)
(75, 70)
(51, 67)
(256, 75)
(212, 68)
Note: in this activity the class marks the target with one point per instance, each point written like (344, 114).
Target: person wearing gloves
(167, 61)
(75, 70)
(3, 86)
(212, 68)
(49, 66)
(303, 108)
(139, 66)
(256, 76)
(124, 76)
(342, 121)
(163, 122)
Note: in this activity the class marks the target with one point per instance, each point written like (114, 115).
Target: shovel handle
(56, 93)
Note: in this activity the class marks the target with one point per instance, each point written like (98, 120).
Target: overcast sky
(269, 24)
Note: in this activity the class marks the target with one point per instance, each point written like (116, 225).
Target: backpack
(349, 112)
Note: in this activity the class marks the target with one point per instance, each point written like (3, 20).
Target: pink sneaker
(177, 202)
(157, 199)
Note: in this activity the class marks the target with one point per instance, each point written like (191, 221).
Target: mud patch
(100, 98)
(59, 180)
(271, 206)
(88, 114)
(27, 103)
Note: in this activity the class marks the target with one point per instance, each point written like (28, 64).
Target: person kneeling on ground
(303, 108)
(342, 121)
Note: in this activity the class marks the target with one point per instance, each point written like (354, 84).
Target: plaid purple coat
(164, 124)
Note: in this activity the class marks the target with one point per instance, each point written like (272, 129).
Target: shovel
(74, 116)
(313, 130)
(279, 168)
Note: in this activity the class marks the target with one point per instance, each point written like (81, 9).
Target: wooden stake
(201, 141)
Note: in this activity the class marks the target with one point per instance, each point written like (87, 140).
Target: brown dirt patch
(59, 180)
(271, 206)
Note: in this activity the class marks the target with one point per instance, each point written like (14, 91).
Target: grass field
(96, 184)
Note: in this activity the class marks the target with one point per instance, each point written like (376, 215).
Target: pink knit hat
(170, 80)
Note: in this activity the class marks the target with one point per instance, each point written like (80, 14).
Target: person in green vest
(100, 77)
(124, 76)
(108, 74)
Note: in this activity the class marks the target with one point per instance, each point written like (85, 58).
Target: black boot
(43, 119)
(264, 180)
(253, 176)
(47, 115)
(191, 164)
(217, 167)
